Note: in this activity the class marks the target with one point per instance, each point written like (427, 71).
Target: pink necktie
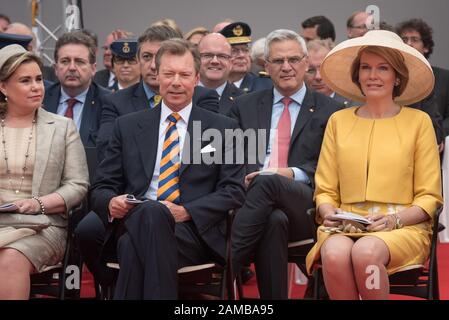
(70, 104)
(281, 143)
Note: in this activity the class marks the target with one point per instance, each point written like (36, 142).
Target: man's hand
(286, 172)
(178, 212)
(28, 206)
(118, 207)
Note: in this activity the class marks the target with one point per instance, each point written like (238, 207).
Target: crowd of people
(355, 127)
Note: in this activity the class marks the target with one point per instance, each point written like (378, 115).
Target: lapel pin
(312, 109)
(93, 102)
(232, 98)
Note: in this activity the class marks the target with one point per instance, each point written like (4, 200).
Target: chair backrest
(421, 281)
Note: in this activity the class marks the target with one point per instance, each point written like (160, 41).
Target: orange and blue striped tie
(168, 186)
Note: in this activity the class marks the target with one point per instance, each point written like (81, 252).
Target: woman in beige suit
(43, 171)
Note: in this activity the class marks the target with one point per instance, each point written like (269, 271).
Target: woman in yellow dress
(379, 160)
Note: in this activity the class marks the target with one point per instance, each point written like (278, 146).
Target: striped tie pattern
(168, 186)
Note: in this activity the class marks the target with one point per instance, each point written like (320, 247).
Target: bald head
(215, 53)
(22, 29)
(357, 24)
(219, 26)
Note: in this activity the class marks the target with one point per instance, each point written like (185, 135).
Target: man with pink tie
(280, 187)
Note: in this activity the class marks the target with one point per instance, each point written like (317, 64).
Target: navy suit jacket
(134, 99)
(252, 83)
(253, 111)
(90, 118)
(227, 98)
(208, 191)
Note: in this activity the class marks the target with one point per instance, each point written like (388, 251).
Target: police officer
(125, 64)
(238, 35)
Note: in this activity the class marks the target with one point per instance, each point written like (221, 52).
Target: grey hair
(317, 44)
(283, 35)
(258, 48)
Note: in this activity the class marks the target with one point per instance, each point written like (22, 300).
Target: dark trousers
(90, 235)
(152, 250)
(274, 213)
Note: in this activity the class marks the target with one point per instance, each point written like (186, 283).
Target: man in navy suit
(75, 95)
(182, 222)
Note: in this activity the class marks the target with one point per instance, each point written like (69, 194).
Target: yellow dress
(381, 166)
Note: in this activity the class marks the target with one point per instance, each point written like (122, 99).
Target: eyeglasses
(121, 61)
(237, 51)
(411, 39)
(293, 61)
(208, 56)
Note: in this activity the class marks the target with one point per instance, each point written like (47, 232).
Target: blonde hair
(9, 67)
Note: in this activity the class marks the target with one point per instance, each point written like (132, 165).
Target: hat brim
(336, 67)
(239, 40)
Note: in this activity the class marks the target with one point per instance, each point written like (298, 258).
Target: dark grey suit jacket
(90, 119)
(441, 93)
(252, 83)
(253, 111)
(102, 77)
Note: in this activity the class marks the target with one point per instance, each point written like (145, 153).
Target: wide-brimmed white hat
(9, 51)
(336, 67)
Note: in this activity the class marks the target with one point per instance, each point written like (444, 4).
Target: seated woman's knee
(12, 261)
(369, 250)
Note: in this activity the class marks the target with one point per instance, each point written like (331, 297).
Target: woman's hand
(327, 212)
(381, 222)
(28, 206)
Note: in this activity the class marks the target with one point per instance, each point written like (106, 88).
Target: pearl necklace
(27, 154)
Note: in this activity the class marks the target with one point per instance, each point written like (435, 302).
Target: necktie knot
(174, 117)
(286, 101)
(70, 104)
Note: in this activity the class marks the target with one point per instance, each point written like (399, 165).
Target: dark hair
(5, 17)
(424, 30)
(325, 26)
(158, 33)
(178, 47)
(77, 37)
(91, 34)
(10, 66)
(394, 59)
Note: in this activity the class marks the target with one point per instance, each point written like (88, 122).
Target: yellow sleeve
(327, 189)
(427, 174)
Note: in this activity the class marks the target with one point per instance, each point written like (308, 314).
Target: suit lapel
(45, 128)
(307, 109)
(147, 138)
(139, 100)
(193, 148)
(265, 108)
(88, 114)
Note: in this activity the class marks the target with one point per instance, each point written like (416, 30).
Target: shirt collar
(219, 89)
(298, 96)
(148, 92)
(184, 113)
(81, 97)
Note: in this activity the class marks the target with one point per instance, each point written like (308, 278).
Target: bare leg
(337, 268)
(370, 255)
(15, 270)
